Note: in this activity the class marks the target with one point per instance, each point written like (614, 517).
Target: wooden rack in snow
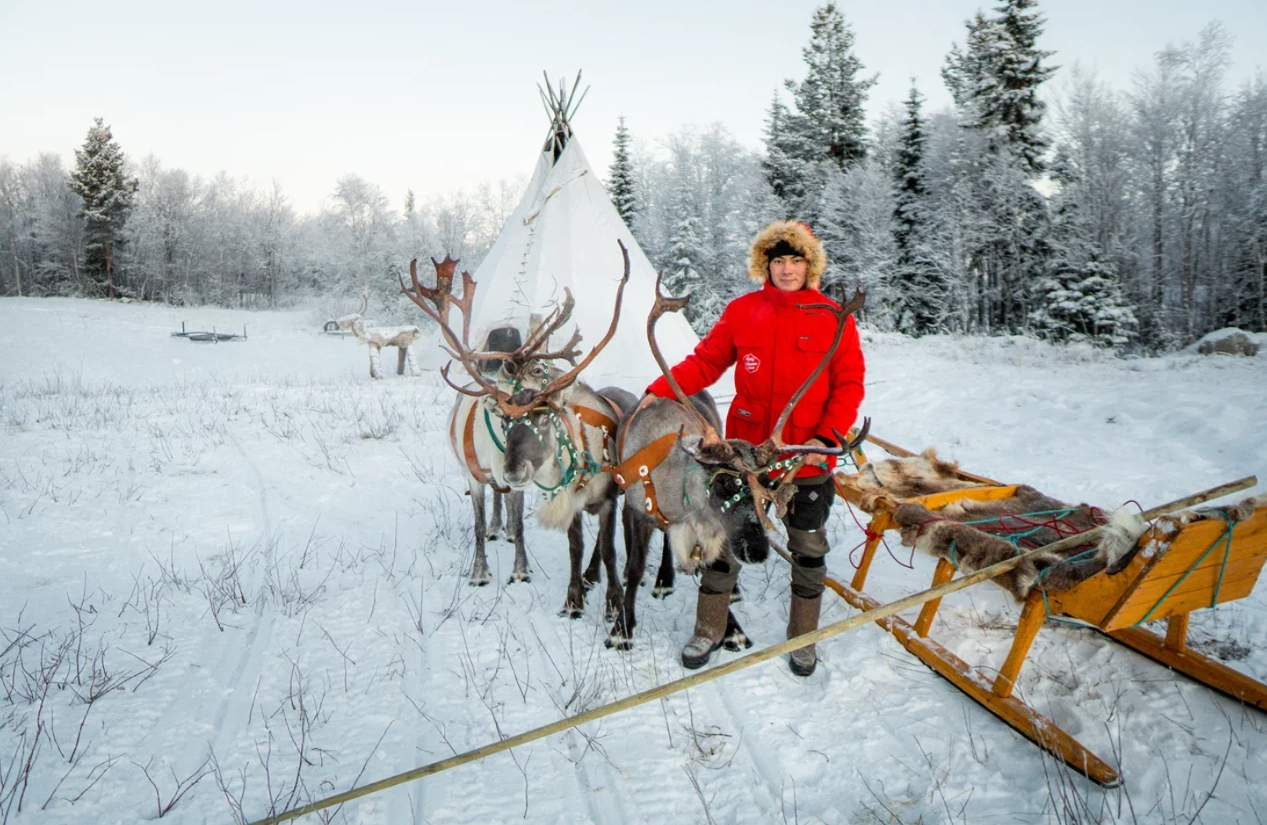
(208, 336)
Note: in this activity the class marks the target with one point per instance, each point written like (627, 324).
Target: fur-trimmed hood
(799, 236)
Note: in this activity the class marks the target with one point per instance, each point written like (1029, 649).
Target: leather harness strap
(468, 452)
(638, 467)
(603, 422)
(587, 415)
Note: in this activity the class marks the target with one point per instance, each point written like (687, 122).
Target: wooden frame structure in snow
(402, 338)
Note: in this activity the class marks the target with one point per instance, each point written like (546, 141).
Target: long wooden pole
(735, 665)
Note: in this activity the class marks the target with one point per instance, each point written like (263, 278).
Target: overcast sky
(438, 96)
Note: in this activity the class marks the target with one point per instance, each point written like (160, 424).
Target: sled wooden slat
(1164, 570)
(1020, 716)
(1203, 669)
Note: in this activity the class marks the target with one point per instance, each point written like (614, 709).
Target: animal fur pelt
(944, 535)
(900, 478)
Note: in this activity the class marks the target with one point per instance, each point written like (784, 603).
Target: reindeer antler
(442, 294)
(558, 318)
(458, 348)
(663, 304)
(541, 335)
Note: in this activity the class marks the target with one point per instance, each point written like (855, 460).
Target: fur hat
(794, 234)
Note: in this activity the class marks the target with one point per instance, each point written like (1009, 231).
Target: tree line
(112, 228)
(1123, 218)
(1126, 218)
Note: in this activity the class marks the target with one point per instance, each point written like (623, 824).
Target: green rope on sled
(1226, 540)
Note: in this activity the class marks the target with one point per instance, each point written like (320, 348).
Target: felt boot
(803, 618)
(711, 610)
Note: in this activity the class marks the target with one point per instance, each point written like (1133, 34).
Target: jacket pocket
(746, 423)
(805, 419)
(754, 348)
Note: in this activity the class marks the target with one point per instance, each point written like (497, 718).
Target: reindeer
(402, 338)
(470, 441)
(559, 437)
(705, 492)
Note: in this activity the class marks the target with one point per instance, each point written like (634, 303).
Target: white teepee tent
(563, 235)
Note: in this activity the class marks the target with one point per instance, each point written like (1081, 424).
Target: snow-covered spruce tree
(107, 195)
(1081, 303)
(620, 176)
(683, 271)
(856, 228)
(831, 98)
(909, 174)
(828, 126)
(914, 299)
(1079, 300)
(785, 169)
(998, 74)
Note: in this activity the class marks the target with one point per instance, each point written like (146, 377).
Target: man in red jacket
(775, 341)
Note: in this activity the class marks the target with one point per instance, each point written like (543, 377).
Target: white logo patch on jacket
(751, 362)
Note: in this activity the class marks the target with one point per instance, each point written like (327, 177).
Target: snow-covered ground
(249, 556)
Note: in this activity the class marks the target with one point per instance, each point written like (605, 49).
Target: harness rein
(580, 465)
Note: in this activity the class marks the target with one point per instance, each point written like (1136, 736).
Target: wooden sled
(1204, 563)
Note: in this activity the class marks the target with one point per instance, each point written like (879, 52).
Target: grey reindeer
(705, 492)
(558, 438)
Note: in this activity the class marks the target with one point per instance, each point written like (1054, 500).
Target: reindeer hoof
(735, 596)
(618, 643)
(571, 613)
(519, 577)
(662, 591)
(737, 641)
(491, 535)
(588, 582)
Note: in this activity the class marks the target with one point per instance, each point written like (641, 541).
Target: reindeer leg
(574, 606)
(593, 574)
(376, 369)
(736, 595)
(607, 546)
(412, 360)
(637, 538)
(401, 354)
(479, 566)
(515, 515)
(668, 570)
(495, 525)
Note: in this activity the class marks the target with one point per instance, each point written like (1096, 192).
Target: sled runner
(1192, 560)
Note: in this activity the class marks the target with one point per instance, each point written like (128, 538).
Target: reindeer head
(527, 394)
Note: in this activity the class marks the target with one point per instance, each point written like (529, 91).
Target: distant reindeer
(402, 338)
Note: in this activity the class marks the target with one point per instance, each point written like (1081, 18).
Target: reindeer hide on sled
(944, 534)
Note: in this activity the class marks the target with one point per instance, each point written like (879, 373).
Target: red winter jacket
(777, 343)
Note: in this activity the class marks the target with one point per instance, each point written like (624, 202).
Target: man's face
(788, 272)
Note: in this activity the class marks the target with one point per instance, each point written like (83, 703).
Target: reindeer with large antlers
(551, 431)
(712, 494)
(471, 440)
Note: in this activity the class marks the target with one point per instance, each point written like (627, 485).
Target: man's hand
(646, 401)
(815, 458)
